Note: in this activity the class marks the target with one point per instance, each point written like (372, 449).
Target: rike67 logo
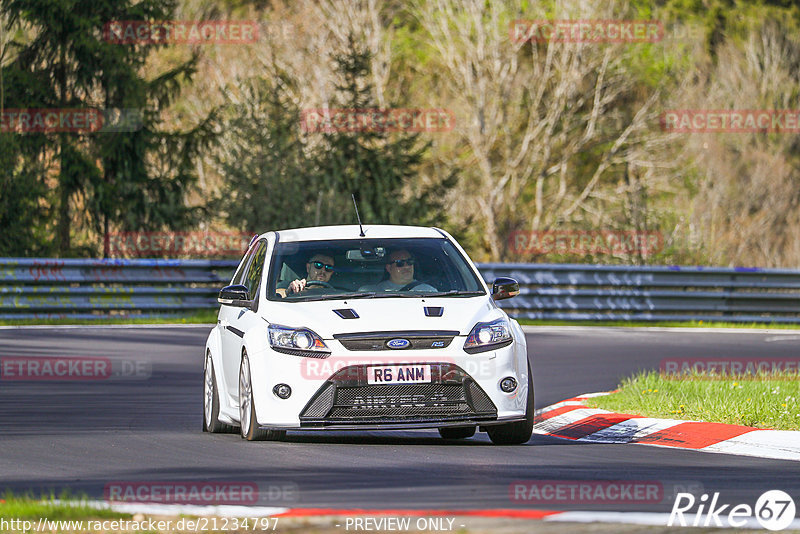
(774, 510)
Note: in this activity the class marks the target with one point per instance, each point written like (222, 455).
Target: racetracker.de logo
(128, 32)
(329, 120)
(729, 366)
(210, 493)
(583, 242)
(81, 368)
(731, 121)
(586, 491)
(50, 120)
(193, 244)
(586, 31)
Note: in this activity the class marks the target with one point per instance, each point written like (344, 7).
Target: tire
(519, 432)
(211, 422)
(457, 432)
(247, 410)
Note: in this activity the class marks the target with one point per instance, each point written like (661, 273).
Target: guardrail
(91, 289)
(96, 289)
(651, 293)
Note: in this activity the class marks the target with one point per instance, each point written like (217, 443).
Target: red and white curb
(572, 419)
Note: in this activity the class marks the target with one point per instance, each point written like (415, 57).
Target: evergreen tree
(132, 180)
(270, 182)
(375, 165)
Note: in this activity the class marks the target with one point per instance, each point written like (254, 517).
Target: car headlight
(489, 336)
(297, 341)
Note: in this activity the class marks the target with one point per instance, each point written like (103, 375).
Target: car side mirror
(504, 288)
(235, 295)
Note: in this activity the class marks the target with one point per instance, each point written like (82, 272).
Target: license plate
(399, 374)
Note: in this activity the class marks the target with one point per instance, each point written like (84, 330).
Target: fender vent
(346, 313)
(434, 311)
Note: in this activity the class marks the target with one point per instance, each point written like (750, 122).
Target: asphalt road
(86, 435)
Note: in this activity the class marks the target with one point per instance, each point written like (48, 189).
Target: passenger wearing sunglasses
(320, 270)
(401, 274)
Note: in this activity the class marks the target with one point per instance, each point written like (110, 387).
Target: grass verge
(203, 317)
(761, 401)
(66, 506)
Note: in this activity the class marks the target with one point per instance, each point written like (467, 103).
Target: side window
(242, 269)
(253, 276)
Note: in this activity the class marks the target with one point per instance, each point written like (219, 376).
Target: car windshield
(370, 268)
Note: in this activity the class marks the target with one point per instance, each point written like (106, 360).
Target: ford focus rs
(373, 328)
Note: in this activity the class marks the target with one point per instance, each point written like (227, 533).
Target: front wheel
(247, 408)
(211, 422)
(519, 432)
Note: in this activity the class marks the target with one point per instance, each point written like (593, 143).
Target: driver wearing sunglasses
(319, 268)
(401, 274)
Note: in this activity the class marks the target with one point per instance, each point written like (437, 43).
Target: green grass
(761, 401)
(662, 324)
(203, 317)
(68, 507)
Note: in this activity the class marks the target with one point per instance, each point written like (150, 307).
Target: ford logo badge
(398, 343)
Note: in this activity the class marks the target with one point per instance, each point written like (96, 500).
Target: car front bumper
(333, 394)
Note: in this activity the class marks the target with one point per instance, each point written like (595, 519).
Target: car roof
(352, 231)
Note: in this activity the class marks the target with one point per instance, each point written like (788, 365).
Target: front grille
(347, 399)
(379, 340)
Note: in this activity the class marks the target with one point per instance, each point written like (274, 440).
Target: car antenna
(357, 215)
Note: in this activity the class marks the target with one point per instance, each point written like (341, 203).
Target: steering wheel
(411, 285)
(318, 283)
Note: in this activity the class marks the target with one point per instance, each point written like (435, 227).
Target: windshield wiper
(455, 293)
(404, 294)
(346, 296)
(425, 294)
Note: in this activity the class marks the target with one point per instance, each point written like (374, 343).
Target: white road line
(777, 444)
(642, 518)
(224, 510)
(100, 326)
(772, 339)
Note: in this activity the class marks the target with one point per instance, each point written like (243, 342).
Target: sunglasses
(403, 263)
(319, 265)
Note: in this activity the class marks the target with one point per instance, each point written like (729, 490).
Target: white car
(373, 328)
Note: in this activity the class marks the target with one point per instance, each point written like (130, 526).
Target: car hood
(383, 314)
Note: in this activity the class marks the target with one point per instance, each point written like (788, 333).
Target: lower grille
(451, 396)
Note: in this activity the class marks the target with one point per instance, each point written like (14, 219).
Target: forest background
(547, 136)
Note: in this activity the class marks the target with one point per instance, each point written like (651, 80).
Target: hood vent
(434, 311)
(346, 313)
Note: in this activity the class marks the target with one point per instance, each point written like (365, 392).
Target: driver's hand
(297, 286)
